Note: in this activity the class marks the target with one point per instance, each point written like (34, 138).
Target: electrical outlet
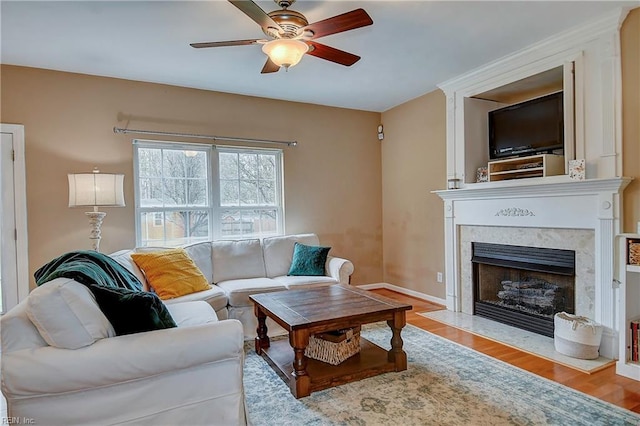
(439, 277)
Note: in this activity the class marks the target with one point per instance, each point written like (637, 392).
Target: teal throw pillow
(131, 311)
(308, 260)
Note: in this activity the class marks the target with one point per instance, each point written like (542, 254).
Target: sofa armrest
(340, 269)
(119, 359)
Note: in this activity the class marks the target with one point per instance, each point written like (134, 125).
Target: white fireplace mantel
(535, 187)
(546, 209)
(541, 204)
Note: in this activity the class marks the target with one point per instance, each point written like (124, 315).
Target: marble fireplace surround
(581, 241)
(552, 212)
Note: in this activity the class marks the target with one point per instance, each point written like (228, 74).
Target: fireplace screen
(523, 286)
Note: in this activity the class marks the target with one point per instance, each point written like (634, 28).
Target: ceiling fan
(292, 36)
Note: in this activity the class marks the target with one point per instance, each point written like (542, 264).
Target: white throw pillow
(67, 315)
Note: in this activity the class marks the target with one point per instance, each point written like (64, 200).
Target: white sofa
(238, 269)
(191, 374)
(63, 365)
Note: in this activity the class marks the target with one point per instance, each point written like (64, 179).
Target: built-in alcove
(534, 86)
(538, 85)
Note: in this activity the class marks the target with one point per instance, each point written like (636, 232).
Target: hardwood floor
(604, 384)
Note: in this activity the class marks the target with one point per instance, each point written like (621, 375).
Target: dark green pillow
(131, 311)
(308, 260)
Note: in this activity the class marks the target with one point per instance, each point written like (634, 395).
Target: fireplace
(523, 286)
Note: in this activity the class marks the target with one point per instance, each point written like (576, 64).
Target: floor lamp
(96, 190)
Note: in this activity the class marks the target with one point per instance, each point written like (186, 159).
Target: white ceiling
(410, 48)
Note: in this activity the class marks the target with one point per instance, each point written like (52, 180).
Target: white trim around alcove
(593, 49)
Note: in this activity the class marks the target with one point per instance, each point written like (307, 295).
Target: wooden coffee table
(306, 312)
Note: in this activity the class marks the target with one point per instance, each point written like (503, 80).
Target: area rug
(444, 384)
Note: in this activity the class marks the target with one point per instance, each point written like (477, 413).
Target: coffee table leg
(396, 354)
(262, 340)
(301, 382)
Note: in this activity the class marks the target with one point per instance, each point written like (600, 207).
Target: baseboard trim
(403, 290)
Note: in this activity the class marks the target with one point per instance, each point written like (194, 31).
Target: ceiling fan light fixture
(285, 52)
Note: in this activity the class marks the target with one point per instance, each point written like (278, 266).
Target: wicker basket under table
(334, 347)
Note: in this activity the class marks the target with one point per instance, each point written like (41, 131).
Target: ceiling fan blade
(254, 12)
(269, 67)
(332, 54)
(225, 43)
(339, 23)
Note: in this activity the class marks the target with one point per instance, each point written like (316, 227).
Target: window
(158, 219)
(191, 192)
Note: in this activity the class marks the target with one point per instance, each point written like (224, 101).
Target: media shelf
(540, 165)
(629, 278)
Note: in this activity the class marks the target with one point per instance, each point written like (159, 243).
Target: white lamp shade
(96, 189)
(285, 52)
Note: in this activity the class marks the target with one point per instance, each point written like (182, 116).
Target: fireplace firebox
(523, 286)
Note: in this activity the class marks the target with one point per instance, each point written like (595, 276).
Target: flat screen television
(527, 128)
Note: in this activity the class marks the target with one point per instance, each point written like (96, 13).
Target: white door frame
(20, 191)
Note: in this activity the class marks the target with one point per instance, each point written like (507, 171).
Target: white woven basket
(576, 336)
(334, 352)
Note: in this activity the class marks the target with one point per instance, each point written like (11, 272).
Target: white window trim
(214, 207)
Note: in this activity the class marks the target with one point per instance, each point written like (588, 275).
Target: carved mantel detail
(514, 211)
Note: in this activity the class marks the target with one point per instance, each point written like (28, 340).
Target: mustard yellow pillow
(171, 272)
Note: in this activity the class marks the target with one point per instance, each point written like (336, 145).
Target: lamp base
(95, 221)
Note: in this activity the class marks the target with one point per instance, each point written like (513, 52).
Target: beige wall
(338, 181)
(413, 164)
(332, 178)
(630, 45)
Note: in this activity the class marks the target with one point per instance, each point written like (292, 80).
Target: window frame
(214, 207)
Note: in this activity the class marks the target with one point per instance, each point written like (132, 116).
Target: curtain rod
(197, 136)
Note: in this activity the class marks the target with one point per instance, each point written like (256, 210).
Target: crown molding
(563, 44)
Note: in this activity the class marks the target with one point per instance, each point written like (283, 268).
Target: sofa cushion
(308, 260)
(278, 252)
(237, 259)
(186, 314)
(239, 291)
(215, 296)
(299, 282)
(67, 315)
(222, 314)
(123, 257)
(200, 253)
(171, 273)
(132, 311)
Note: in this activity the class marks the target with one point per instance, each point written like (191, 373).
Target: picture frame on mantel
(482, 175)
(577, 169)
